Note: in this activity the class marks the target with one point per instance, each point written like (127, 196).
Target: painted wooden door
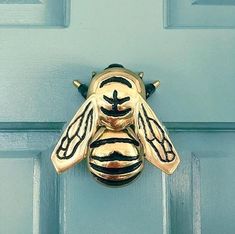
(187, 44)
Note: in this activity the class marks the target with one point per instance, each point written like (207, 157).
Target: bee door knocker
(115, 129)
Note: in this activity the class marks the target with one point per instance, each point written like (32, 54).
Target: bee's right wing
(73, 144)
(158, 147)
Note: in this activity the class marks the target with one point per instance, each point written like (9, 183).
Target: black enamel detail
(98, 143)
(114, 65)
(82, 89)
(150, 89)
(115, 113)
(114, 171)
(115, 182)
(116, 79)
(115, 101)
(149, 122)
(81, 138)
(115, 156)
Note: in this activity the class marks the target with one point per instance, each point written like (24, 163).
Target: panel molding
(199, 14)
(31, 126)
(20, 1)
(200, 126)
(196, 193)
(36, 193)
(204, 156)
(36, 145)
(213, 2)
(172, 126)
(34, 13)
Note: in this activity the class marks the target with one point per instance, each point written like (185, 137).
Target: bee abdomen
(115, 158)
(115, 182)
(115, 169)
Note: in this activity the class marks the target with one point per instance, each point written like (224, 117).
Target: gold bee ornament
(115, 129)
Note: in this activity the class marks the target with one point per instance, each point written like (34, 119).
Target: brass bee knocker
(115, 129)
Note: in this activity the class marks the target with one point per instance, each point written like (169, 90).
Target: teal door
(189, 45)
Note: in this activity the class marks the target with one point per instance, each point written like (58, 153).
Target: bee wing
(73, 144)
(158, 148)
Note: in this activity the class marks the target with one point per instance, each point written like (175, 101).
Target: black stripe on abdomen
(115, 156)
(113, 171)
(112, 140)
(115, 182)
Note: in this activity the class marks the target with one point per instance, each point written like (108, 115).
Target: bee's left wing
(158, 148)
(74, 142)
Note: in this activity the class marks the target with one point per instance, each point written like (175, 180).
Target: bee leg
(150, 88)
(82, 88)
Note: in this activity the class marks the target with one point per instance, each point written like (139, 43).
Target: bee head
(116, 73)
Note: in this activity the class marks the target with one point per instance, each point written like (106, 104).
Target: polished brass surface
(115, 129)
(112, 72)
(141, 75)
(132, 155)
(76, 83)
(156, 83)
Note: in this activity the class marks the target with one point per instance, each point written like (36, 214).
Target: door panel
(199, 196)
(90, 207)
(29, 197)
(16, 191)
